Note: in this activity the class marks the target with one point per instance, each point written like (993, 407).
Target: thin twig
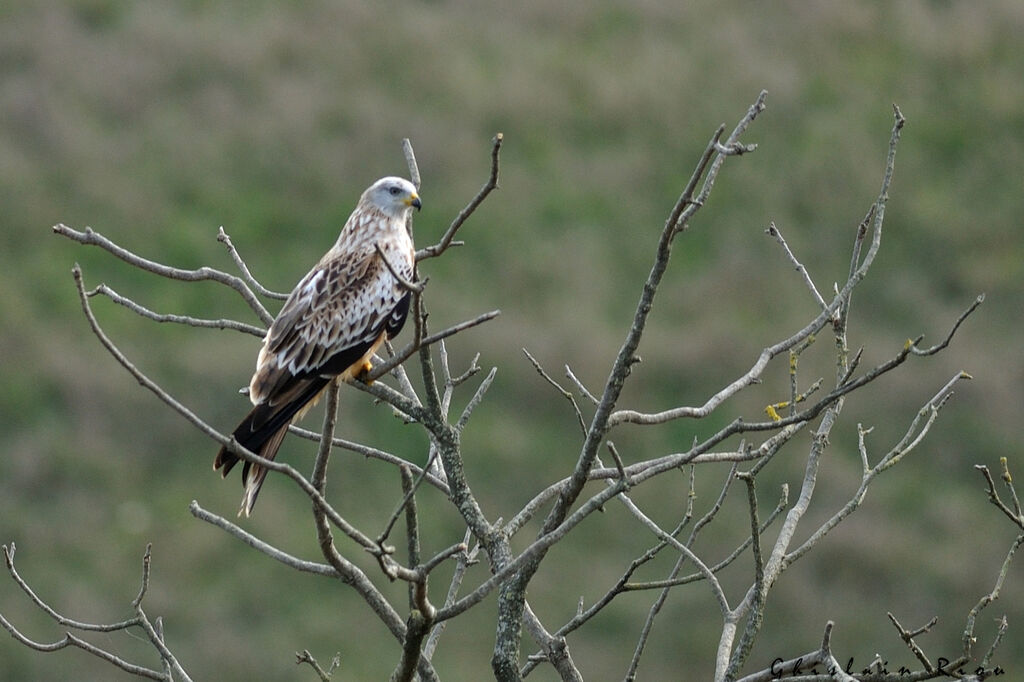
(370, 453)
(407, 501)
(565, 394)
(580, 387)
(248, 538)
(168, 660)
(1008, 481)
(705, 570)
(994, 498)
(475, 401)
(93, 238)
(619, 466)
(465, 560)
(972, 617)
(405, 283)
(408, 351)
(916, 431)
(908, 639)
(773, 231)
(949, 336)
(673, 581)
(142, 311)
(325, 675)
(759, 590)
(492, 182)
(410, 161)
(223, 237)
(633, 417)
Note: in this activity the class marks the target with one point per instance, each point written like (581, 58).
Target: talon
(365, 369)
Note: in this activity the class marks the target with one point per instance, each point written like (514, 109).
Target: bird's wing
(332, 318)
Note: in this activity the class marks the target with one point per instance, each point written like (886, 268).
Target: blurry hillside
(156, 123)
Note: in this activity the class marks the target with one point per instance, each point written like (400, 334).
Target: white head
(393, 196)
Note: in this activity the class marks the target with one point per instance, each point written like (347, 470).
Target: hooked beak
(415, 202)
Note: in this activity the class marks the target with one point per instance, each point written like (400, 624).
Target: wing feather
(344, 303)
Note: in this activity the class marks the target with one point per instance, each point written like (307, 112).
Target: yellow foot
(364, 370)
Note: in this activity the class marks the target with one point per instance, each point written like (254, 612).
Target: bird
(331, 324)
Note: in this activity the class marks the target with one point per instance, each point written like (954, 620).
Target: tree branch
(223, 237)
(491, 184)
(140, 620)
(92, 238)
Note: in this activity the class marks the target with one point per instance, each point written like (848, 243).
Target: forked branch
(170, 666)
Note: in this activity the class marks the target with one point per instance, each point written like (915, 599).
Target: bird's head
(394, 196)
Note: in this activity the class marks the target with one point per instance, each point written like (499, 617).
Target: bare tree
(418, 626)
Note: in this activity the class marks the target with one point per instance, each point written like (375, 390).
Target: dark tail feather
(249, 436)
(253, 474)
(261, 432)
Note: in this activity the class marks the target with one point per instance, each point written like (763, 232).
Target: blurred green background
(155, 123)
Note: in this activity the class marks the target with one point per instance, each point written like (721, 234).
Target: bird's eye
(395, 191)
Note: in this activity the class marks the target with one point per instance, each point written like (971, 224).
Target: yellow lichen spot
(908, 344)
(772, 413)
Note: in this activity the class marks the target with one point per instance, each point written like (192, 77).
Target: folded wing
(330, 326)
